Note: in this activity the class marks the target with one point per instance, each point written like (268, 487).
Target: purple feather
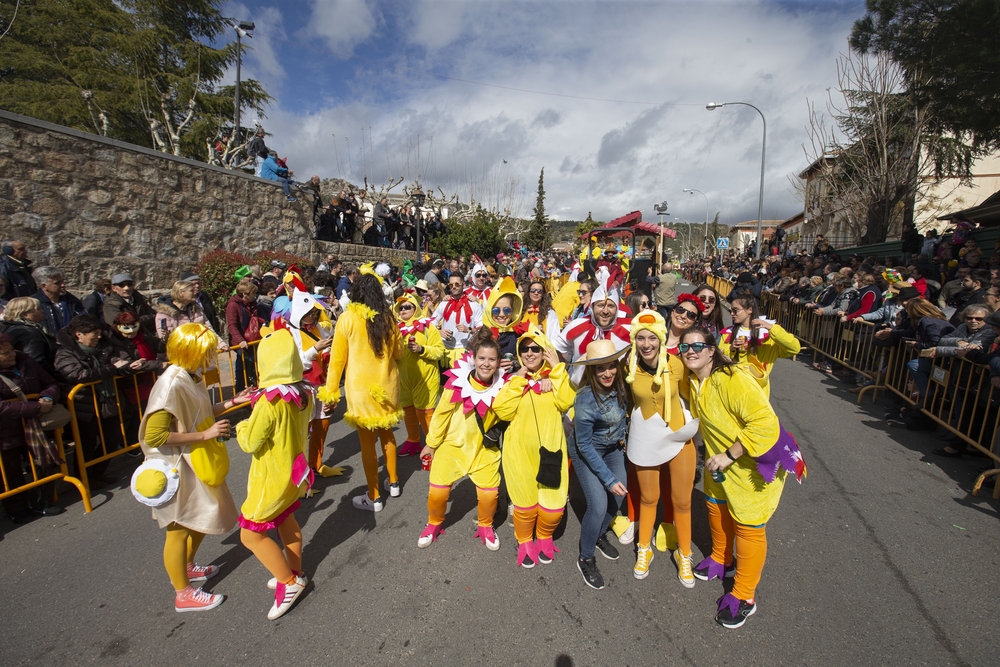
(716, 570)
(784, 454)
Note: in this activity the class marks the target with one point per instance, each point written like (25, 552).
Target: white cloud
(600, 156)
(343, 24)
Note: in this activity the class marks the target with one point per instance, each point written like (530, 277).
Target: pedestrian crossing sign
(722, 244)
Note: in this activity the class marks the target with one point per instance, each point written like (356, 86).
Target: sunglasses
(708, 299)
(537, 291)
(505, 311)
(406, 306)
(975, 319)
(697, 347)
(644, 304)
(689, 314)
(582, 292)
(534, 349)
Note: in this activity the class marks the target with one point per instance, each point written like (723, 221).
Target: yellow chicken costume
(456, 436)
(566, 299)
(505, 334)
(536, 424)
(419, 373)
(371, 382)
(772, 344)
(276, 435)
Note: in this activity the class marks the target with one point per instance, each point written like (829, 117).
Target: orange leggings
(677, 485)
(369, 458)
(416, 420)
(283, 564)
(437, 504)
(535, 520)
(751, 548)
(317, 442)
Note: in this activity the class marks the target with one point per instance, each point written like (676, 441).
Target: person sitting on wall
(271, 170)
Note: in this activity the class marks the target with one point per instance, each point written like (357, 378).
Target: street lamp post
(661, 210)
(704, 242)
(711, 106)
(243, 29)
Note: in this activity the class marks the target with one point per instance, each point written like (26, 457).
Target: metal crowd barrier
(63, 472)
(720, 285)
(219, 379)
(960, 396)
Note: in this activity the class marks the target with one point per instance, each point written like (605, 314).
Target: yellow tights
(178, 551)
(680, 471)
(369, 458)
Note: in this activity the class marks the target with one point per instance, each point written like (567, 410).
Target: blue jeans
(602, 505)
(284, 185)
(920, 369)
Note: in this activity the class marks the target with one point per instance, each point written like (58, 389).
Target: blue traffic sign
(722, 244)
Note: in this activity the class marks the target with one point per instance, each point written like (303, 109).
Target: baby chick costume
(772, 345)
(536, 423)
(371, 383)
(276, 435)
(419, 373)
(505, 334)
(456, 436)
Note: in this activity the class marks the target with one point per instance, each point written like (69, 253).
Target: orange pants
(677, 485)
(317, 442)
(751, 548)
(416, 421)
(437, 504)
(537, 521)
(369, 458)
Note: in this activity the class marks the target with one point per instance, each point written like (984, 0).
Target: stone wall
(94, 206)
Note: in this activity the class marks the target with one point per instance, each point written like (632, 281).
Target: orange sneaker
(195, 599)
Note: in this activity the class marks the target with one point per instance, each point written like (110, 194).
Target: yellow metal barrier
(720, 285)
(63, 472)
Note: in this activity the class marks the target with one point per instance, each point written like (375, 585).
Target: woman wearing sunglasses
(539, 311)
(659, 443)
(711, 317)
(535, 466)
(754, 342)
(501, 315)
(748, 456)
(419, 374)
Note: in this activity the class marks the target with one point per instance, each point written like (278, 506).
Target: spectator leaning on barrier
(971, 333)
(974, 286)
(15, 269)
(23, 324)
(58, 305)
(179, 307)
(85, 355)
(19, 369)
(125, 298)
(241, 313)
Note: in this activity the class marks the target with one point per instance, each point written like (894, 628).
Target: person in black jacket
(124, 298)
(23, 324)
(58, 305)
(912, 242)
(93, 303)
(15, 269)
(86, 355)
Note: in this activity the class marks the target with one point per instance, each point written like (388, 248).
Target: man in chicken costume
(480, 288)
(456, 317)
(606, 322)
(419, 373)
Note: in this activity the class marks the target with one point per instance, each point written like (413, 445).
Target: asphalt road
(879, 557)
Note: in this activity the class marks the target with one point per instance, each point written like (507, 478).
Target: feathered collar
(362, 310)
(534, 381)
(289, 393)
(583, 331)
(414, 325)
(468, 391)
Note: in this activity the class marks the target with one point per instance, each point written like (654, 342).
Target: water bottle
(718, 476)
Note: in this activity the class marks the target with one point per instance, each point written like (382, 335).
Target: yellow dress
(735, 407)
(419, 374)
(778, 345)
(458, 442)
(535, 421)
(371, 383)
(566, 300)
(276, 433)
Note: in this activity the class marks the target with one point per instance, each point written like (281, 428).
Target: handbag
(252, 331)
(55, 419)
(43, 451)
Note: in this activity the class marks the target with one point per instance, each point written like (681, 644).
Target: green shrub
(216, 271)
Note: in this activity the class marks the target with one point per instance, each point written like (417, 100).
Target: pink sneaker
(201, 572)
(527, 554)
(195, 599)
(546, 550)
(285, 596)
(409, 448)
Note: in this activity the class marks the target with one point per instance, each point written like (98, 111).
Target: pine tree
(539, 236)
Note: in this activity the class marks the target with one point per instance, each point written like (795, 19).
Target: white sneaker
(272, 583)
(488, 537)
(510, 514)
(363, 502)
(628, 536)
(285, 596)
(393, 489)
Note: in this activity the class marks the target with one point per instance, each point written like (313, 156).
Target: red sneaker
(195, 599)
(201, 572)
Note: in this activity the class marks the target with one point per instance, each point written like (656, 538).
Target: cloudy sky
(609, 97)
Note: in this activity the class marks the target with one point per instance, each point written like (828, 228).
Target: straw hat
(600, 352)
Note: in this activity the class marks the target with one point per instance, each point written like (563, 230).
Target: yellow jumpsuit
(779, 345)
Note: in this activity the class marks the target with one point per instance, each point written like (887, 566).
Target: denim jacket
(599, 424)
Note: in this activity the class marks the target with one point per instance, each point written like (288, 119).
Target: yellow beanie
(648, 320)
